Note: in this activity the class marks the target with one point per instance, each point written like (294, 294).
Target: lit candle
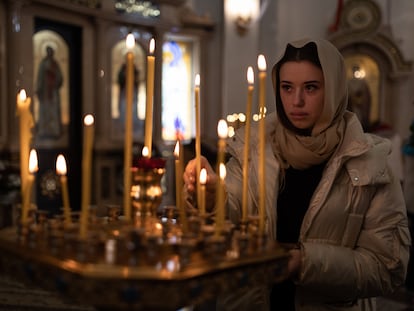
(88, 133)
(32, 168)
(222, 131)
(250, 80)
(130, 43)
(61, 171)
(25, 126)
(198, 137)
(149, 97)
(178, 175)
(261, 63)
(203, 181)
(179, 185)
(145, 152)
(220, 200)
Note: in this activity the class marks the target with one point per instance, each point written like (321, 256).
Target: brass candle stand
(147, 263)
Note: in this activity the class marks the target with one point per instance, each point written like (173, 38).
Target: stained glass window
(179, 67)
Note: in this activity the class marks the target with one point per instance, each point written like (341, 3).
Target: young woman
(329, 192)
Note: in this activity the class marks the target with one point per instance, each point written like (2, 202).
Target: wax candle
(220, 200)
(130, 43)
(32, 168)
(178, 175)
(203, 181)
(222, 132)
(25, 125)
(261, 62)
(61, 171)
(250, 80)
(179, 185)
(88, 133)
(198, 136)
(149, 97)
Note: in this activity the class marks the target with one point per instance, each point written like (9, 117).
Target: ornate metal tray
(170, 281)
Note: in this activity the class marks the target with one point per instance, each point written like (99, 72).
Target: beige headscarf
(302, 152)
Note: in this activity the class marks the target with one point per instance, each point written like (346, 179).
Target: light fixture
(243, 12)
(358, 72)
(144, 8)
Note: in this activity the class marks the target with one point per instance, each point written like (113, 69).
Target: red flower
(148, 163)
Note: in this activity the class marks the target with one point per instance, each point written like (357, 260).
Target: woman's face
(302, 93)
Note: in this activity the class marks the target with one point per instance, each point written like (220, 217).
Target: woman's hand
(294, 262)
(190, 183)
(295, 258)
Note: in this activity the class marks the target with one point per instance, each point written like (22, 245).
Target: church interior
(69, 62)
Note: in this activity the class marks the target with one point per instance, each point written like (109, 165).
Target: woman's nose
(299, 101)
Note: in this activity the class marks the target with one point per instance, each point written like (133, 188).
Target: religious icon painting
(50, 87)
(118, 90)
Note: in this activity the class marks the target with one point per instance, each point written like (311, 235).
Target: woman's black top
(292, 204)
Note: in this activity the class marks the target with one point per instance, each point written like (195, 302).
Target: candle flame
(130, 41)
(197, 80)
(61, 165)
(203, 176)
(222, 170)
(33, 166)
(145, 152)
(177, 149)
(250, 75)
(222, 129)
(22, 95)
(261, 62)
(152, 46)
(88, 120)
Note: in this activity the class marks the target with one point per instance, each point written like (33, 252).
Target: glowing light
(222, 129)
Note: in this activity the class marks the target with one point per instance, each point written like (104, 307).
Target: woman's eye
(311, 87)
(285, 87)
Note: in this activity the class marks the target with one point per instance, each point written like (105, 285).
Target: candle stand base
(188, 272)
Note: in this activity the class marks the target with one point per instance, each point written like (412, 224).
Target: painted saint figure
(49, 82)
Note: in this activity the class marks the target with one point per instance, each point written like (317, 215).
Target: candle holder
(243, 238)
(146, 191)
(127, 256)
(23, 231)
(215, 247)
(113, 211)
(194, 226)
(146, 195)
(171, 229)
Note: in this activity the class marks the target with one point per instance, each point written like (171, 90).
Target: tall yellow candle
(88, 133)
(198, 136)
(149, 97)
(222, 131)
(203, 181)
(61, 171)
(179, 170)
(220, 200)
(130, 43)
(261, 62)
(32, 168)
(250, 80)
(178, 174)
(25, 135)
